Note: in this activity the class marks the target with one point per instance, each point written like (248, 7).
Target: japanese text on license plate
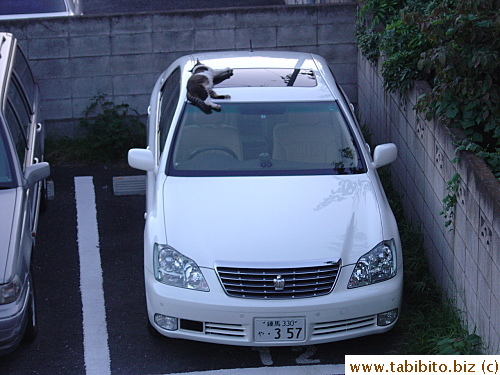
(279, 329)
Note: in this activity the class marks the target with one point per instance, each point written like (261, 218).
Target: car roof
(262, 63)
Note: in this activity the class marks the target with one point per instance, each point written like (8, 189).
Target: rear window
(264, 139)
(31, 6)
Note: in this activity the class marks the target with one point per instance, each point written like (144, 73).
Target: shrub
(463, 64)
(453, 45)
(111, 129)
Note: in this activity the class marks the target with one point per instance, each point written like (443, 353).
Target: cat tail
(199, 103)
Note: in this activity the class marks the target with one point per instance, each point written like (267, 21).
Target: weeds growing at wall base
(431, 324)
(110, 130)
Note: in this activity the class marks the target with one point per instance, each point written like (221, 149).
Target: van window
(168, 102)
(20, 104)
(18, 136)
(25, 77)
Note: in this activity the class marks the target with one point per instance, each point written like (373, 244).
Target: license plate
(279, 329)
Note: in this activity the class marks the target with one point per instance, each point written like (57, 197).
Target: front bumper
(217, 318)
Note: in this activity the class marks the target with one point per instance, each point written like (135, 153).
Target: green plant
(109, 132)
(465, 344)
(111, 129)
(462, 66)
(430, 323)
(453, 45)
(402, 45)
(450, 200)
(373, 16)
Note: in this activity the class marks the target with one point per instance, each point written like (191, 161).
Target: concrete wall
(122, 55)
(465, 257)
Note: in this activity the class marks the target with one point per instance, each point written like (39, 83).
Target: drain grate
(129, 185)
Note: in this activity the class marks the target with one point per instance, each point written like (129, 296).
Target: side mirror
(36, 172)
(384, 154)
(142, 159)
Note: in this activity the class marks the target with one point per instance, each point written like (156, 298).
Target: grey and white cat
(200, 84)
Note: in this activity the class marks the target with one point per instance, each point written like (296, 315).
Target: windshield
(6, 170)
(264, 139)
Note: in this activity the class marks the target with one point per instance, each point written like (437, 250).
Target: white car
(266, 223)
(16, 9)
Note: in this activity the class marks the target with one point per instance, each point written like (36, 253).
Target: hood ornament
(279, 283)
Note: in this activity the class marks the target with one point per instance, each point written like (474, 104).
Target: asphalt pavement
(59, 348)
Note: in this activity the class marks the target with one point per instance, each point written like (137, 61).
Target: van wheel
(43, 196)
(31, 323)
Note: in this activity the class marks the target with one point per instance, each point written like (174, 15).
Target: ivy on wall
(453, 45)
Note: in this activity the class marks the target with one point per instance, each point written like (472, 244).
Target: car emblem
(279, 283)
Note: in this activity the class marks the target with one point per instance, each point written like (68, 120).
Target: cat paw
(227, 96)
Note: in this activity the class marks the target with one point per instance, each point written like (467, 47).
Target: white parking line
(287, 370)
(95, 333)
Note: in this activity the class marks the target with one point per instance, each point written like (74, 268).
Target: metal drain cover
(129, 185)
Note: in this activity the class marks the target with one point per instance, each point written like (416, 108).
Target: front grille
(279, 283)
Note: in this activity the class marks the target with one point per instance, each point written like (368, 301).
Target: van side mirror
(384, 154)
(142, 159)
(36, 172)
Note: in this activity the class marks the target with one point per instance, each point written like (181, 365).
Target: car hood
(7, 207)
(271, 219)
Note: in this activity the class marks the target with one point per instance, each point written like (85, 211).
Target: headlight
(10, 291)
(173, 268)
(377, 265)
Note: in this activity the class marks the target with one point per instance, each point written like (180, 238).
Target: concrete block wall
(465, 257)
(122, 55)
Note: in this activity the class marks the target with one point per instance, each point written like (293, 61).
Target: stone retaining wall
(122, 55)
(465, 257)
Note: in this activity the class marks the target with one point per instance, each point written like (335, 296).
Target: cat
(200, 84)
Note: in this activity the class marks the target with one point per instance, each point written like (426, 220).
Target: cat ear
(198, 62)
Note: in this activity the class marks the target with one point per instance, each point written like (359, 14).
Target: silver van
(22, 176)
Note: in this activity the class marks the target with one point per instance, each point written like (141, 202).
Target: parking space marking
(95, 333)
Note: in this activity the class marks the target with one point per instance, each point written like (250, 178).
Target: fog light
(386, 318)
(166, 322)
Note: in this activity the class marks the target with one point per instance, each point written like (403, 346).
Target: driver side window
(168, 102)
